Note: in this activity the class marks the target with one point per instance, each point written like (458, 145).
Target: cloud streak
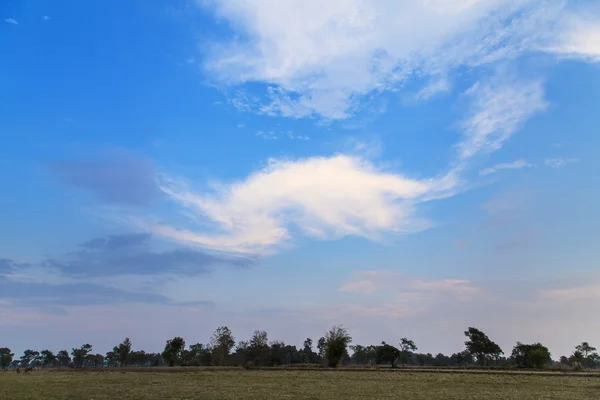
(11, 21)
(559, 162)
(518, 164)
(131, 254)
(114, 177)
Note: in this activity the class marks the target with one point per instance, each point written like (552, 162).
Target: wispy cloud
(437, 86)
(559, 162)
(269, 135)
(498, 109)
(132, 254)
(325, 58)
(408, 287)
(45, 17)
(518, 164)
(320, 197)
(11, 21)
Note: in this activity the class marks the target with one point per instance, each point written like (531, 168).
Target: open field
(282, 384)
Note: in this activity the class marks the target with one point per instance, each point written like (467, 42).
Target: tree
(321, 346)
(424, 359)
(122, 351)
(63, 358)
(29, 356)
(406, 347)
(111, 358)
(360, 354)
(48, 358)
(222, 341)
(308, 343)
(200, 354)
(462, 358)
(336, 345)
(173, 352)
(531, 355)
(95, 360)
(80, 354)
(480, 346)
(588, 354)
(387, 354)
(257, 350)
(278, 354)
(6, 357)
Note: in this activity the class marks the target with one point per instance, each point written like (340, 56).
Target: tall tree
(173, 352)
(588, 354)
(321, 346)
(387, 354)
(80, 354)
(221, 342)
(406, 347)
(48, 358)
(258, 348)
(122, 351)
(308, 352)
(480, 346)
(6, 357)
(336, 345)
(29, 356)
(63, 358)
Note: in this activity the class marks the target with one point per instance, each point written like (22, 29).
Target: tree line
(330, 350)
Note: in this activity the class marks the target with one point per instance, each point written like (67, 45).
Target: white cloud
(499, 108)
(11, 21)
(559, 162)
(45, 17)
(322, 57)
(518, 164)
(582, 39)
(320, 197)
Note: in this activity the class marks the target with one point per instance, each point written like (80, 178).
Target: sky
(404, 168)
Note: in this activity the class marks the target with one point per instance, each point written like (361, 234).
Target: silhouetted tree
(360, 354)
(47, 358)
(406, 347)
(6, 357)
(424, 359)
(321, 346)
(122, 351)
(387, 354)
(336, 345)
(480, 346)
(531, 355)
(80, 354)
(222, 341)
(63, 358)
(588, 354)
(173, 352)
(28, 357)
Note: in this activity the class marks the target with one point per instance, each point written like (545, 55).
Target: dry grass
(281, 384)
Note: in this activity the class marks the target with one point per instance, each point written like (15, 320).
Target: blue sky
(399, 167)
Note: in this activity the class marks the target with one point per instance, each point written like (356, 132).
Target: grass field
(247, 384)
